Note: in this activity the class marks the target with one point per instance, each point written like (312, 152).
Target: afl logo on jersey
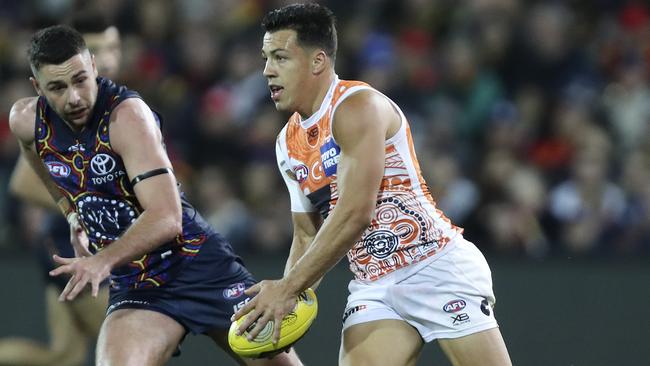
(102, 164)
(301, 172)
(57, 169)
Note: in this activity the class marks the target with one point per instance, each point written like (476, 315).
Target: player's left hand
(273, 301)
(82, 270)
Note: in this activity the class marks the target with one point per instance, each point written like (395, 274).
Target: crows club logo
(102, 164)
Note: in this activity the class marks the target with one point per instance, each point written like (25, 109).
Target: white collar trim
(325, 105)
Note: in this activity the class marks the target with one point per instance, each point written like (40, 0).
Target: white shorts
(449, 297)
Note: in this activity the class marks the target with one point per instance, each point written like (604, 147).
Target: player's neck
(323, 85)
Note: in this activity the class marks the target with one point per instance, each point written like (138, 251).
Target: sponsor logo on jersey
(57, 169)
(454, 306)
(234, 291)
(329, 156)
(301, 172)
(102, 164)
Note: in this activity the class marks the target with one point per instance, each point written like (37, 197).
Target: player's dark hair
(314, 24)
(53, 45)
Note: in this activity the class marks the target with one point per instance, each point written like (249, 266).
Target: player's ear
(36, 86)
(92, 60)
(319, 62)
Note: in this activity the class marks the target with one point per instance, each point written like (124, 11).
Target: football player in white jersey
(348, 160)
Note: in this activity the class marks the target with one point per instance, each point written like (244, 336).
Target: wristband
(65, 206)
(72, 218)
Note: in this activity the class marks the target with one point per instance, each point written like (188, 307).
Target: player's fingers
(78, 287)
(260, 324)
(61, 269)
(253, 289)
(277, 327)
(62, 260)
(68, 287)
(248, 321)
(83, 250)
(243, 310)
(95, 287)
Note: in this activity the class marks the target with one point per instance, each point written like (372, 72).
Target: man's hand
(82, 270)
(78, 236)
(272, 302)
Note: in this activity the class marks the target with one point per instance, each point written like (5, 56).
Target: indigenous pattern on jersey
(406, 228)
(93, 177)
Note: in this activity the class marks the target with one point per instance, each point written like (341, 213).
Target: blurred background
(531, 121)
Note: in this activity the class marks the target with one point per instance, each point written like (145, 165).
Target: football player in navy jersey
(98, 148)
(72, 325)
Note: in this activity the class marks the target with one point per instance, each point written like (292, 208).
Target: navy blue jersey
(93, 177)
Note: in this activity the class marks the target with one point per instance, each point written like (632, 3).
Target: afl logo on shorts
(57, 169)
(301, 172)
(454, 306)
(234, 291)
(102, 164)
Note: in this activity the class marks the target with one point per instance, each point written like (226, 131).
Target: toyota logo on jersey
(102, 164)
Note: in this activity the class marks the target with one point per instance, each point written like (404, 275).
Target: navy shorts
(201, 297)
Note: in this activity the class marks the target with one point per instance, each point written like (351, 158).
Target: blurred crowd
(531, 118)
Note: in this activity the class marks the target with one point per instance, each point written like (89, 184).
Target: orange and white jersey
(406, 228)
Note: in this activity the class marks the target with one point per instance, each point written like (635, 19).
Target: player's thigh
(485, 348)
(131, 337)
(382, 342)
(65, 334)
(91, 311)
(220, 337)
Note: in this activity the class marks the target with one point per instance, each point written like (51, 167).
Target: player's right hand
(91, 270)
(78, 237)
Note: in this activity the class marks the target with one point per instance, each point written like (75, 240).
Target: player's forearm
(337, 235)
(148, 232)
(299, 246)
(298, 249)
(32, 180)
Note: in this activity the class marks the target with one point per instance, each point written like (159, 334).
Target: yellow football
(294, 326)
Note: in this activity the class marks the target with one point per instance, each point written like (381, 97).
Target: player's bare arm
(136, 138)
(25, 184)
(361, 125)
(21, 122)
(305, 227)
